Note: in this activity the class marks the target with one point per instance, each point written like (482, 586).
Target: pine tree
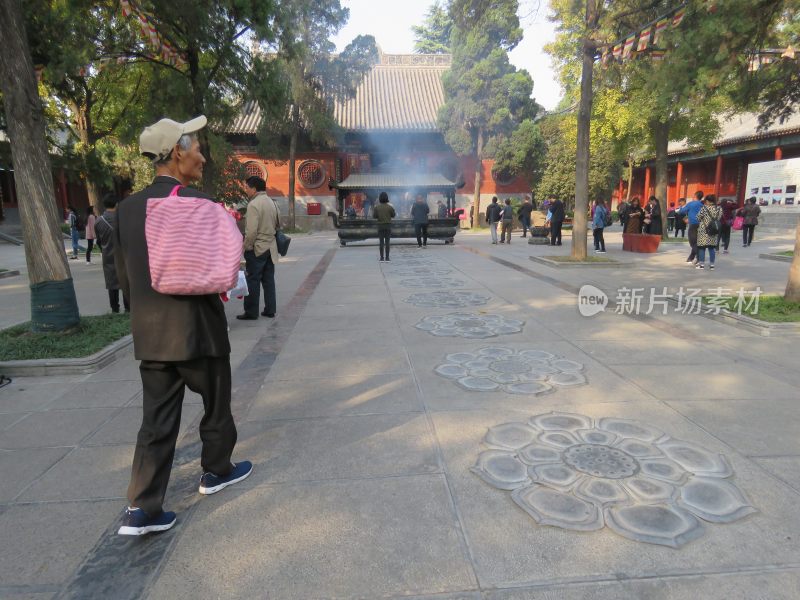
(485, 96)
(433, 36)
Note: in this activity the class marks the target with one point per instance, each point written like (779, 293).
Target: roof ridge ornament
(416, 60)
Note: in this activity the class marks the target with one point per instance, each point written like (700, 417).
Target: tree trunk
(53, 303)
(84, 127)
(582, 158)
(292, 162)
(792, 293)
(630, 180)
(476, 193)
(198, 106)
(661, 139)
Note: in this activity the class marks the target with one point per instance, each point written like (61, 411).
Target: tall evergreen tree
(53, 303)
(433, 36)
(485, 96)
(297, 87)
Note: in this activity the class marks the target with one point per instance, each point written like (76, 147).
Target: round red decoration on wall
(254, 169)
(311, 173)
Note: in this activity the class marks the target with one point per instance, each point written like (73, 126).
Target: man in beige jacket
(260, 250)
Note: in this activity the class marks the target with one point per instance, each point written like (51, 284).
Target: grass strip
(92, 335)
(772, 309)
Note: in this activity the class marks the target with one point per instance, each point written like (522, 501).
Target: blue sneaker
(211, 484)
(138, 522)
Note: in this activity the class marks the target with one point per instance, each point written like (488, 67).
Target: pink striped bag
(194, 245)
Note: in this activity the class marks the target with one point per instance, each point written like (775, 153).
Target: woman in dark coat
(635, 215)
(653, 214)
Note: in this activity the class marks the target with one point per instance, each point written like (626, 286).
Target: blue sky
(390, 22)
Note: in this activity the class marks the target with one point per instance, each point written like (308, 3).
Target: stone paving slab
(723, 382)
(335, 396)
(338, 448)
(337, 539)
(756, 428)
(21, 467)
(54, 428)
(769, 585)
(64, 533)
(87, 473)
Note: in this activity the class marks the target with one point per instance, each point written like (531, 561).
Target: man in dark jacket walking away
(104, 228)
(556, 220)
(493, 212)
(181, 341)
(419, 217)
(524, 215)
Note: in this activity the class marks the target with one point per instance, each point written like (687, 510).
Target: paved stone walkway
(363, 442)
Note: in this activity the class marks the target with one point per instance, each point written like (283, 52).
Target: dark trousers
(724, 236)
(747, 234)
(421, 231)
(693, 241)
(113, 300)
(384, 234)
(505, 230)
(526, 225)
(599, 241)
(163, 384)
(260, 272)
(680, 226)
(89, 246)
(555, 232)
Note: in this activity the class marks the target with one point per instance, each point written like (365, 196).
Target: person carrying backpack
(600, 220)
(708, 229)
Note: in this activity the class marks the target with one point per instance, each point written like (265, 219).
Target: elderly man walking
(181, 341)
(260, 250)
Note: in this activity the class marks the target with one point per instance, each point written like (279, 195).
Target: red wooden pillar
(778, 153)
(646, 193)
(718, 175)
(679, 181)
(620, 191)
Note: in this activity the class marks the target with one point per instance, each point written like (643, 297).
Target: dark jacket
(104, 228)
(750, 213)
(525, 210)
(419, 213)
(384, 212)
(557, 211)
(493, 212)
(507, 213)
(655, 227)
(165, 328)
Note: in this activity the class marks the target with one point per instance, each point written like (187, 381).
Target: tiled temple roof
(742, 128)
(401, 93)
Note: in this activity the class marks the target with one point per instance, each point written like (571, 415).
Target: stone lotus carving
(449, 299)
(570, 471)
(469, 325)
(431, 282)
(513, 371)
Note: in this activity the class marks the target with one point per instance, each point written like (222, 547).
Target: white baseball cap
(158, 140)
